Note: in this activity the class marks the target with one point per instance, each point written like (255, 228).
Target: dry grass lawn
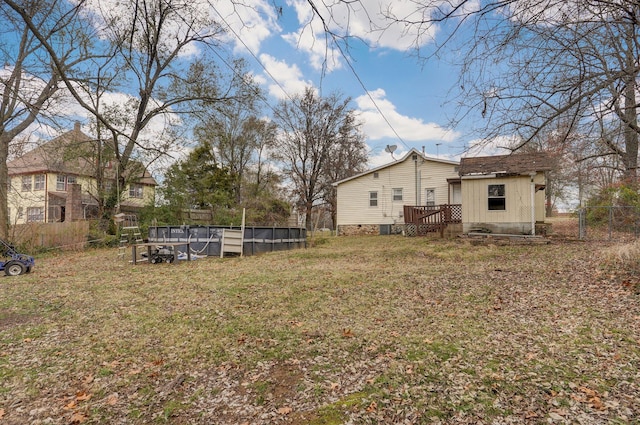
(362, 330)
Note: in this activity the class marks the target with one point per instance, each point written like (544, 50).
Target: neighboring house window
(35, 214)
(108, 185)
(497, 200)
(397, 194)
(20, 213)
(429, 197)
(26, 183)
(376, 175)
(135, 190)
(61, 183)
(39, 182)
(373, 199)
(71, 180)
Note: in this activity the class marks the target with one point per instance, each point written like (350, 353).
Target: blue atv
(12, 262)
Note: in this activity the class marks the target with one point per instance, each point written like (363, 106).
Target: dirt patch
(14, 319)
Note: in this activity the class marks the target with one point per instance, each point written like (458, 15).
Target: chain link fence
(610, 223)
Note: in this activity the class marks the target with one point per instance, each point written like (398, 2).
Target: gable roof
(391, 164)
(62, 155)
(517, 163)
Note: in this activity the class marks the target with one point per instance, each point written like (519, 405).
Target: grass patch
(358, 330)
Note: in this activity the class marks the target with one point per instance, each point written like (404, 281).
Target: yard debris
(462, 335)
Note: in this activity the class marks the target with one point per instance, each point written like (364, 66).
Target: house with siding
(374, 202)
(504, 194)
(56, 182)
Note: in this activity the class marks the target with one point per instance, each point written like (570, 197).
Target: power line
(351, 67)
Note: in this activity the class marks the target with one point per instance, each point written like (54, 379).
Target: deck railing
(424, 219)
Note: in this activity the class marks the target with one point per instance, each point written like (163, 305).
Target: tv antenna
(391, 149)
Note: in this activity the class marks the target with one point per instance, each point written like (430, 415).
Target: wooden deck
(424, 219)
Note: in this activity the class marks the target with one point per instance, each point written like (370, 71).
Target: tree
(29, 82)
(532, 67)
(153, 57)
(347, 157)
(197, 182)
(234, 131)
(312, 130)
(529, 67)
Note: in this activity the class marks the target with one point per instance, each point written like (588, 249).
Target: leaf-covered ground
(362, 330)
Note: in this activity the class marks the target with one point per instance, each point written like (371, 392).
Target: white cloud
(408, 128)
(249, 23)
(496, 146)
(289, 77)
(381, 23)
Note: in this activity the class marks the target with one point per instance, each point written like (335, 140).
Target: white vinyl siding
(517, 200)
(353, 195)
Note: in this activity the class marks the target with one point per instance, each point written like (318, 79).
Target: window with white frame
(61, 183)
(39, 180)
(430, 196)
(20, 213)
(26, 183)
(497, 200)
(135, 190)
(397, 194)
(373, 199)
(35, 214)
(71, 180)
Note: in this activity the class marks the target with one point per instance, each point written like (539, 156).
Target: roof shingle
(517, 163)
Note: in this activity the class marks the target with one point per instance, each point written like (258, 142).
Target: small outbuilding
(504, 194)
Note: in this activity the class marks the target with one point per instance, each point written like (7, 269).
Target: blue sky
(412, 94)
(407, 101)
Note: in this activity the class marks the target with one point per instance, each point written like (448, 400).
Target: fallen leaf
(2, 412)
(372, 407)
(285, 410)
(347, 333)
(82, 396)
(71, 405)
(334, 386)
(112, 400)
(77, 418)
(588, 391)
(596, 403)
(88, 379)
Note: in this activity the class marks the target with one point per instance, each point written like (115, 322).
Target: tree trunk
(4, 184)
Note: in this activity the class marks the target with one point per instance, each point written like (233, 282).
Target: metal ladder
(129, 233)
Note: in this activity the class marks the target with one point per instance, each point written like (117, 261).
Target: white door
(456, 196)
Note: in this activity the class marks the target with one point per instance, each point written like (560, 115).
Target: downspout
(533, 205)
(415, 164)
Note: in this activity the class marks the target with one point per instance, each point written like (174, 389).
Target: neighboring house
(56, 182)
(373, 202)
(504, 194)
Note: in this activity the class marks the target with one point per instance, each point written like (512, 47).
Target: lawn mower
(12, 262)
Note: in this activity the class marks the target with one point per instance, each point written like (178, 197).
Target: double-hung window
(39, 182)
(26, 183)
(135, 190)
(373, 199)
(497, 200)
(397, 194)
(35, 214)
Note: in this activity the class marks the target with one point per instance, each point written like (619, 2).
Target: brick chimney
(73, 206)
(76, 127)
